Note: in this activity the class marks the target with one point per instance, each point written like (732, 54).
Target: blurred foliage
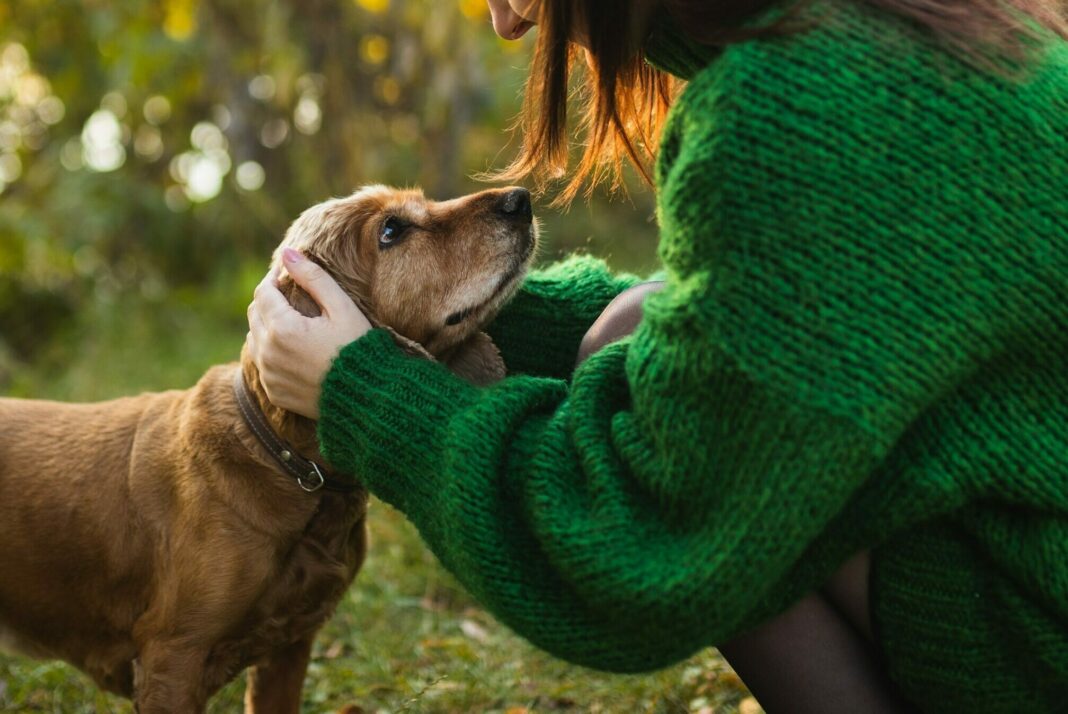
(150, 148)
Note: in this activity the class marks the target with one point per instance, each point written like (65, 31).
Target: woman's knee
(617, 320)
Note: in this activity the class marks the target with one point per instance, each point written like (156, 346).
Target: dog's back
(127, 522)
(75, 557)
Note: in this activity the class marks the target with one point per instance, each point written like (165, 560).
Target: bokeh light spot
(115, 103)
(205, 179)
(262, 87)
(148, 143)
(207, 137)
(375, 6)
(274, 133)
(157, 110)
(102, 148)
(388, 89)
(251, 176)
(308, 116)
(51, 110)
(474, 9)
(374, 49)
(10, 168)
(179, 19)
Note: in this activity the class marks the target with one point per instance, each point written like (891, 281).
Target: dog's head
(435, 273)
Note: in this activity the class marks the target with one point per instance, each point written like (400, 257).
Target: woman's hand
(293, 352)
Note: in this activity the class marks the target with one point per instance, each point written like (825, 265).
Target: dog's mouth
(509, 278)
(514, 274)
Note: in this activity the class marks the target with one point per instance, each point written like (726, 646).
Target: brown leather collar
(310, 476)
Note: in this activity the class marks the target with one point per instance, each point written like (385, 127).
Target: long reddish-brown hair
(626, 100)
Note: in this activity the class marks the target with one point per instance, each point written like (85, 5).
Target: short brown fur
(152, 541)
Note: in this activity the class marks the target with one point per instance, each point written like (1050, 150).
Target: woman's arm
(654, 506)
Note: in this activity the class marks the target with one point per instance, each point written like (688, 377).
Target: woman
(859, 345)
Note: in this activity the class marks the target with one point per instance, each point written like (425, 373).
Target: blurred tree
(150, 146)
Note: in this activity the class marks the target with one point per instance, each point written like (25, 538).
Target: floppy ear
(300, 300)
(477, 360)
(410, 346)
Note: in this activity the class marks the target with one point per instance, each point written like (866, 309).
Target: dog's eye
(392, 230)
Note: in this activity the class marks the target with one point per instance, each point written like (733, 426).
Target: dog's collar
(310, 476)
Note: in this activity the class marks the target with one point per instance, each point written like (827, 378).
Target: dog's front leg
(168, 679)
(275, 687)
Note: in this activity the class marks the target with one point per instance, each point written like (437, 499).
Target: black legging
(818, 657)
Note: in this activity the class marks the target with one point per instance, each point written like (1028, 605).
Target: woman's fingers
(323, 289)
(267, 298)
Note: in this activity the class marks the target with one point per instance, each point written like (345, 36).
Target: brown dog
(155, 543)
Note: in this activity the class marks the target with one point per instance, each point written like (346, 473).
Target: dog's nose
(516, 205)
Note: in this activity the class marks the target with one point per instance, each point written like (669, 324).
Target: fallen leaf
(475, 631)
(517, 710)
(431, 604)
(749, 705)
(334, 651)
(730, 678)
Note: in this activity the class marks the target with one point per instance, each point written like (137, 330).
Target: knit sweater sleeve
(621, 523)
(539, 331)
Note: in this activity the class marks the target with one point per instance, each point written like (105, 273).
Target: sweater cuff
(383, 415)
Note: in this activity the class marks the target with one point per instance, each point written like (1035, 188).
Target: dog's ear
(303, 303)
(300, 300)
(477, 360)
(412, 347)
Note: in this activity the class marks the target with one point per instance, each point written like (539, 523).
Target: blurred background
(152, 154)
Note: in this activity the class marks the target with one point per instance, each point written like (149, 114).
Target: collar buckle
(315, 479)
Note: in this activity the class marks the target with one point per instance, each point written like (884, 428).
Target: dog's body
(158, 529)
(154, 542)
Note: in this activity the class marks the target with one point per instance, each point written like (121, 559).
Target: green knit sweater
(861, 344)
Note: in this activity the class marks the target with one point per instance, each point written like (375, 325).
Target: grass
(406, 638)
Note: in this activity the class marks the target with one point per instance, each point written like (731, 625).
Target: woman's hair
(626, 100)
